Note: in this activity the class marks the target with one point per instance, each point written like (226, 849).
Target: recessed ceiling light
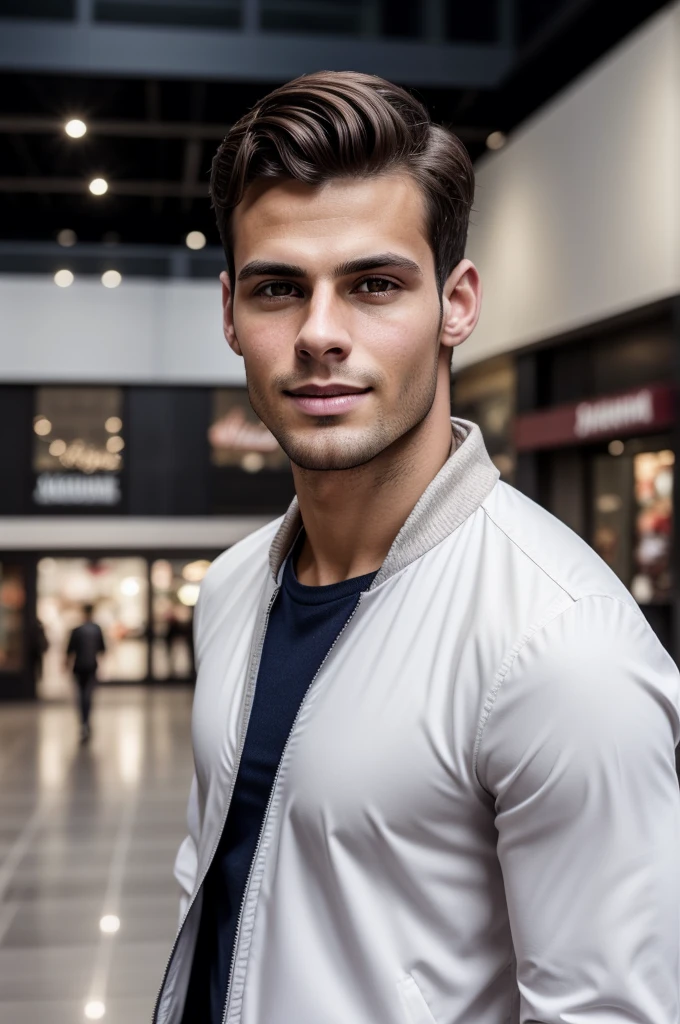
(63, 278)
(67, 237)
(195, 240)
(75, 128)
(111, 278)
(109, 924)
(95, 1010)
(496, 140)
(98, 186)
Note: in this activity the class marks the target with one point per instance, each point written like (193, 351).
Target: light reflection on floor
(87, 834)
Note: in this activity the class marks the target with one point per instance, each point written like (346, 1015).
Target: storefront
(107, 455)
(596, 438)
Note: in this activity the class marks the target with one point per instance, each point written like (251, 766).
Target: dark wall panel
(16, 436)
(167, 466)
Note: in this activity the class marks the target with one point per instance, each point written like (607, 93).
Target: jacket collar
(467, 477)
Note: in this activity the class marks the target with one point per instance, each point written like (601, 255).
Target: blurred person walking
(82, 654)
(433, 732)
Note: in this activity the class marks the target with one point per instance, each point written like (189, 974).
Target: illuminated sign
(613, 416)
(74, 489)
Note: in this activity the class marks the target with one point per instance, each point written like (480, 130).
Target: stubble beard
(334, 446)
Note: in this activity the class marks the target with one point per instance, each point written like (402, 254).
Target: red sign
(633, 412)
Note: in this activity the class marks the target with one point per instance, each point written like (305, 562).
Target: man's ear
(228, 314)
(461, 304)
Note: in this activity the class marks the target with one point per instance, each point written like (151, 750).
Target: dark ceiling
(154, 138)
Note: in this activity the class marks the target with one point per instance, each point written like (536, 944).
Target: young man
(434, 735)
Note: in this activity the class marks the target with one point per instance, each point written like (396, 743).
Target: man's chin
(326, 455)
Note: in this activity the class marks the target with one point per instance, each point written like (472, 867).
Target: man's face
(337, 315)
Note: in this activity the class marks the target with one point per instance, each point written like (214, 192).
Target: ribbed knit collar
(467, 477)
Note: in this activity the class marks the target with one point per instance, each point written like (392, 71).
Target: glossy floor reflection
(87, 833)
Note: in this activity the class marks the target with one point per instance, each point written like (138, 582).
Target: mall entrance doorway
(144, 604)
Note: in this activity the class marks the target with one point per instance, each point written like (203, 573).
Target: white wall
(578, 217)
(142, 331)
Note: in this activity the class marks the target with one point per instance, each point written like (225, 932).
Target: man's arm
(70, 656)
(578, 751)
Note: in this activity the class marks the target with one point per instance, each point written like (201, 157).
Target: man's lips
(327, 399)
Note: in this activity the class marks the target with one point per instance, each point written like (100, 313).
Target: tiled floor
(87, 832)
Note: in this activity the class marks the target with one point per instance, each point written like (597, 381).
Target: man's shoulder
(243, 561)
(551, 548)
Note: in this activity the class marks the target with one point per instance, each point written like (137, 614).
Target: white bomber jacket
(476, 818)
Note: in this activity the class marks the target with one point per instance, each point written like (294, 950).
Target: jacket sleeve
(186, 862)
(577, 750)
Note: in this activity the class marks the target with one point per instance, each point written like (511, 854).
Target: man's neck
(351, 517)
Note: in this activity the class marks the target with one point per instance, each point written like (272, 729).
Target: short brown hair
(333, 124)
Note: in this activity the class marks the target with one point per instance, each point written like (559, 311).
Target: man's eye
(376, 285)
(277, 290)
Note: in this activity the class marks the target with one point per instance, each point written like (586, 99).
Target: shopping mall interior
(130, 455)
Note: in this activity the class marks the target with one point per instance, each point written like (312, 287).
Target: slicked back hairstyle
(333, 124)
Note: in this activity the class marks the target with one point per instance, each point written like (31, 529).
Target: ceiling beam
(27, 125)
(22, 124)
(77, 186)
(200, 54)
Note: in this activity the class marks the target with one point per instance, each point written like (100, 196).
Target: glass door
(175, 583)
(118, 590)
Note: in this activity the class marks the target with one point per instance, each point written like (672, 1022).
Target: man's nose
(324, 335)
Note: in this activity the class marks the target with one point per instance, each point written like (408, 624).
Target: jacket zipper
(244, 898)
(242, 743)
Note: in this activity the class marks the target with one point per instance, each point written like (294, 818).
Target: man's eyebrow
(269, 268)
(381, 259)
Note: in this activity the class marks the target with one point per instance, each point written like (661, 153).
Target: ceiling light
(111, 278)
(75, 128)
(113, 425)
(63, 278)
(95, 1010)
(109, 924)
(67, 238)
(98, 186)
(195, 240)
(496, 140)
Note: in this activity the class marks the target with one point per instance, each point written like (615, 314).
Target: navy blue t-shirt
(303, 625)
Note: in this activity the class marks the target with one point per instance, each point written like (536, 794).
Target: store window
(12, 617)
(118, 589)
(175, 584)
(485, 394)
(633, 517)
(78, 446)
(653, 474)
(238, 438)
(250, 472)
